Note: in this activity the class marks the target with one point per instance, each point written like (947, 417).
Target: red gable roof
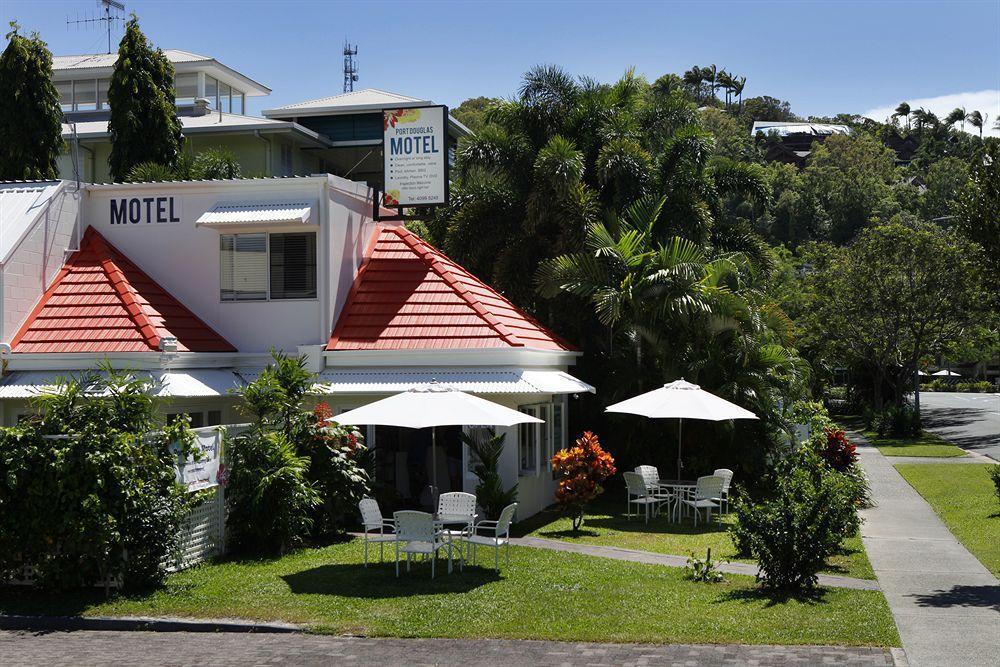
(409, 295)
(101, 302)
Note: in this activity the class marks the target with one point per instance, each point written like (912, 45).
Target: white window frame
(267, 264)
(545, 448)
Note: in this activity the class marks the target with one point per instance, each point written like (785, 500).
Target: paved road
(971, 421)
(149, 649)
(945, 602)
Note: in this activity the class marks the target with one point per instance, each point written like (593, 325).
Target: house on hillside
(192, 283)
(791, 141)
(341, 134)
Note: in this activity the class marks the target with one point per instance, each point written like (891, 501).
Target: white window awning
(193, 383)
(257, 214)
(496, 380)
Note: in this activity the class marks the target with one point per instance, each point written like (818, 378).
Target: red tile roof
(101, 302)
(409, 295)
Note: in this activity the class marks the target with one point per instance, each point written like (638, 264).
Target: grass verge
(927, 444)
(963, 496)
(606, 526)
(540, 595)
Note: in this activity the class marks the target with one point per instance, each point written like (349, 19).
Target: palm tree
(725, 82)
(978, 120)
(694, 78)
(903, 110)
(956, 116)
(711, 75)
(739, 83)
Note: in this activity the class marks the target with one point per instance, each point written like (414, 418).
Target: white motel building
(194, 282)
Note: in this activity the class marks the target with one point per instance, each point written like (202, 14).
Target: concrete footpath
(945, 602)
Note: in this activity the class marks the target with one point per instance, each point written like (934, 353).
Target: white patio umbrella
(945, 373)
(681, 400)
(430, 405)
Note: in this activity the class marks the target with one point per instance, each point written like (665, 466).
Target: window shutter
(293, 266)
(243, 263)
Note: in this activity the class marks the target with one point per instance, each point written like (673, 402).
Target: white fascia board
(471, 357)
(79, 361)
(225, 74)
(253, 185)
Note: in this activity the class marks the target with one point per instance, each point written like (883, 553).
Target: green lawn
(605, 525)
(927, 444)
(541, 595)
(963, 497)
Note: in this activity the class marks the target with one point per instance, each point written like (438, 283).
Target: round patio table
(679, 489)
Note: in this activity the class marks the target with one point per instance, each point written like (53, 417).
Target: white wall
(36, 260)
(184, 258)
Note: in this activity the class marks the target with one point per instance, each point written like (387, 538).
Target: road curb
(133, 623)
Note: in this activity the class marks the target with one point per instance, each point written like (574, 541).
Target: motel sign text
(148, 210)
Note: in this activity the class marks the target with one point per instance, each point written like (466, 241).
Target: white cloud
(986, 101)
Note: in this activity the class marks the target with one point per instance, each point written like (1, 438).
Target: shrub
(793, 532)
(838, 452)
(334, 470)
(581, 469)
(704, 569)
(90, 493)
(490, 493)
(269, 497)
(323, 475)
(994, 472)
(895, 421)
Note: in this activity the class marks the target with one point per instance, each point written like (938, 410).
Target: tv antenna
(113, 11)
(350, 67)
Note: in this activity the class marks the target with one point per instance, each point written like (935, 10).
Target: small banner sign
(202, 471)
(415, 156)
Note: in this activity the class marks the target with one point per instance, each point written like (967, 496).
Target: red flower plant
(838, 452)
(582, 468)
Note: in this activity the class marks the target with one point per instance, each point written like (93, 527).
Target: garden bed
(541, 595)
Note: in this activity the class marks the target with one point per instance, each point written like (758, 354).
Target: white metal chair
(500, 537)
(707, 492)
(639, 494)
(727, 476)
(651, 476)
(416, 533)
(457, 507)
(375, 526)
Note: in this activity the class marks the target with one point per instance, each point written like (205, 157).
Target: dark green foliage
(143, 125)
(30, 118)
(994, 472)
(793, 531)
(97, 502)
(215, 164)
(336, 470)
(896, 421)
(293, 473)
(269, 497)
(490, 493)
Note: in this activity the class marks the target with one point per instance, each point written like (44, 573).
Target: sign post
(415, 156)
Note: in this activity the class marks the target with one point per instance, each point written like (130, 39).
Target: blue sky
(823, 57)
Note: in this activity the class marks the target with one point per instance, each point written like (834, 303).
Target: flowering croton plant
(838, 451)
(582, 468)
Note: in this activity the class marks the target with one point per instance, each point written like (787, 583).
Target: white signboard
(415, 154)
(203, 473)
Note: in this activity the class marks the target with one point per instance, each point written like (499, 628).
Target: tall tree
(977, 120)
(901, 291)
(144, 125)
(30, 118)
(903, 110)
(979, 208)
(956, 116)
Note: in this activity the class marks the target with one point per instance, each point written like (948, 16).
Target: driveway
(971, 421)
